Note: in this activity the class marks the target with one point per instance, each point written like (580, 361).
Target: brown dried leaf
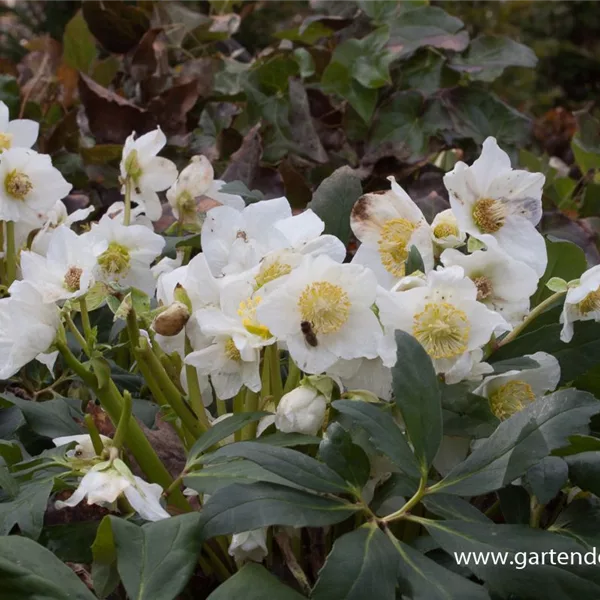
(111, 118)
(142, 61)
(170, 109)
(245, 161)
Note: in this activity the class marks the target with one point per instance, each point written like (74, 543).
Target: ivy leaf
(417, 395)
(333, 201)
(361, 564)
(521, 441)
(245, 507)
(254, 582)
(28, 570)
(79, 45)
(489, 55)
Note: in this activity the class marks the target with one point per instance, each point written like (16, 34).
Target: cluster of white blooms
(268, 279)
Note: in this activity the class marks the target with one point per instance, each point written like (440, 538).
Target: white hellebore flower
(55, 217)
(249, 545)
(147, 172)
(84, 447)
(324, 313)
(388, 224)
(130, 251)
(445, 317)
(29, 185)
(28, 327)
(232, 359)
(19, 133)
(582, 302)
(301, 411)
(445, 230)
(67, 269)
(489, 197)
(196, 180)
(510, 392)
(106, 481)
(503, 283)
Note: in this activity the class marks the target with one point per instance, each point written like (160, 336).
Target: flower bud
(301, 411)
(249, 545)
(172, 320)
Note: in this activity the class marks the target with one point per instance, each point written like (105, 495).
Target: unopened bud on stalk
(301, 411)
(172, 320)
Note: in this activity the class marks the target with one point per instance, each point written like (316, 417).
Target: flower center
(489, 215)
(17, 185)
(115, 259)
(247, 311)
(231, 351)
(132, 167)
(395, 236)
(484, 287)
(5, 141)
(73, 279)
(591, 303)
(511, 398)
(442, 330)
(325, 305)
(270, 273)
(444, 230)
(186, 205)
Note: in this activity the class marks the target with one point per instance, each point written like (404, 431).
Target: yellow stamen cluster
(17, 184)
(115, 259)
(247, 311)
(393, 245)
(231, 351)
(5, 141)
(73, 279)
(511, 398)
(271, 272)
(325, 305)
(591, 303)
(489, 215)
(442, 329)
(444, 230)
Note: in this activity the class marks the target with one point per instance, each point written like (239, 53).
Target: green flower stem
(144, 354)
(251, 403)
(94, 434)
(77, 334)
(293, 378)
(221, 407)
(402, 512)
(136, 441)
(238, 407)
(265, 376)
(127, 213)
(85, 321)
(195, 395)
(534, 314)
(221, 570)
(272, 353)
(536, 512)
(11, 253)
(124, 419)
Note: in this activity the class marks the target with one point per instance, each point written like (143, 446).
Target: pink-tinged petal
(492, 163)
(24, 131)
(522, 190)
